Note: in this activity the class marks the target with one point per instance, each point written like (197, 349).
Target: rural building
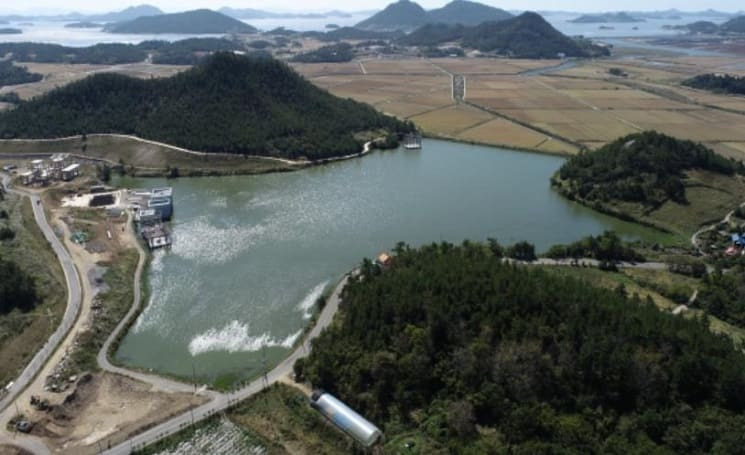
(28, 177)
(156, 236)
(37, 165)
(70, 172)
(147, 217)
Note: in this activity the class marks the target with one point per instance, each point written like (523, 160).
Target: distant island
(606, 18)
(718, 83)
(250, 13)
(127, 14)
(526, 36)
(190, 22)
(84, 25)
(407, 15)
(10, 31)
(735, 25)
(228, 104)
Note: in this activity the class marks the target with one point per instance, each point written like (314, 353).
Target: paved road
(159, 383)
(221, 401)
(74, 299)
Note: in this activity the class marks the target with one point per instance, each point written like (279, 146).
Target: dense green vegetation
(189, 51)
(11, 74)
(528, 36)
(352, 33)
(456, 347)
(647, 168)
(605, 247)
(334, 53)
(525, 36)
(17, 289)
(114, 53)
(723, 296)
(196, 22)
(229, 104)
(718, 83)
(604, 18)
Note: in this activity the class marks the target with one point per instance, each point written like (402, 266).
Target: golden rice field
(559, 112)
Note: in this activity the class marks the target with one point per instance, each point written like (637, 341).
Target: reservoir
(251, 254)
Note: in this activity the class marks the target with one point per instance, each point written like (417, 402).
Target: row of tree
(605, 247)
(17, 288)
(479, 356)
(11, 74)
(184, 52)
(718, 83)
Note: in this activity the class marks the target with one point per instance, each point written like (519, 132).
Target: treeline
(477, 356)
(647, 168)
(184, 52)
(718, 83)
(723, 296)
(11, 74)
(17, 289)
(335, 53)
(605, 247)
(229, 104)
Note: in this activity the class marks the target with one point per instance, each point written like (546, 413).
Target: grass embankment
(710, 197)
(144, 159)
(115, 304)
(668, 290)
(23, 334)
(280, 419)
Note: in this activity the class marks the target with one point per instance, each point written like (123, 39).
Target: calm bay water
(251, 254)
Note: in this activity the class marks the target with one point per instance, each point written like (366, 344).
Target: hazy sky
(280, 5)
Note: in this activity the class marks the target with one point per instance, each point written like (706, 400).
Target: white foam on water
(235, 337)
(306, 305)
(200, 241)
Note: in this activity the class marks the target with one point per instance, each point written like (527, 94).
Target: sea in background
(56, 32)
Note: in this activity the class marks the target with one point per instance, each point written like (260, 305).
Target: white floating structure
(346, 418)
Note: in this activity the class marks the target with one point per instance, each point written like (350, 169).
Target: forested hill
(464, 354)
(646, 168)
(524, 36)
(230, 103)
(735, 25)
(189, 22)
(465, 12)
(402, 15)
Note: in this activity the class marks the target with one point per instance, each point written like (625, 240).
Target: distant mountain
(525, 36)
(10, 31)
(467, 13)
(606, 18)
(128, 14)
(190, 22)
(228, 104)
(403, 15)
(736, 25)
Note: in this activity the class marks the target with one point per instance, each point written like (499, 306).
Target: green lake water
(251, 254)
